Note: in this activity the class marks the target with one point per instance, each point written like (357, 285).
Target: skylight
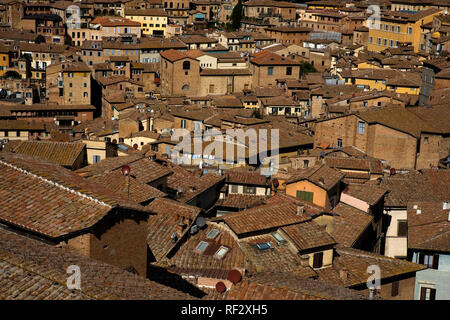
(212, 233)
(264, 246)
(201, 246)
(278, 237)
(221, 252)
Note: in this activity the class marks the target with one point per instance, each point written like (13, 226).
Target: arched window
(186, 65)
(185, 87)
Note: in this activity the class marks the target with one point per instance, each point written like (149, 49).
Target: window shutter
(317, 262)
(421, 258)
(435, 261)
(423, 293)
(395, 287)
(432, 294)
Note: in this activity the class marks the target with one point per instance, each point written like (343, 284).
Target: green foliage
(11, 74)
(308, 68)
(236, 16)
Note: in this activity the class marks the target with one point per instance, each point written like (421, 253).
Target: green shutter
(305, 195)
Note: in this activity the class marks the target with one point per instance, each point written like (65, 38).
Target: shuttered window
(402, 228)
(395, 287)
(318, 260)
(249, 190)
(305, 195)
(427, 293)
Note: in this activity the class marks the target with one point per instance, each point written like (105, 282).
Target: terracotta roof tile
(33, 270)
(348, 224)
(429, 230)
(62, 153)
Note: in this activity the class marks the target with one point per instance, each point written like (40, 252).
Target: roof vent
(343, 273)
(418, 211)
(300, 210)
(445, 205)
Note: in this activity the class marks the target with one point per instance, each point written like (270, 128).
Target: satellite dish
(194, 229)
(200, 222)
(322, 154)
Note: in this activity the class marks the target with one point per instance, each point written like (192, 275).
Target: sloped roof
(46, 198)
(348, 224)
(62, 153)
(429, 230)
(37, 271)
(321, 175)
(264, 217)
(308, 235)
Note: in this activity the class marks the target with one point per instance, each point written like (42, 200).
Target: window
(394, 289)
(234, 188)
(249, 189)
(339, 143)
(96, 158)
(263, 246)
(278, 238)
(212, 233)
(270, 71)
(183, 124)
(409, 30)
(221, 252)
(185, 87)
(427, 293)
(201, 246)
(305, 163)
(288, 71)
(361, 127)
(186, 65)
(318, 260)
(431, 261)
(305, 195)
(402, 228)
(211, 88)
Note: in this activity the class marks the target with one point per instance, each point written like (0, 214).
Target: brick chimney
(304, 260)
(343, 273)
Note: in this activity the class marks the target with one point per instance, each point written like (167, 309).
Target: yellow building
(397, 27)
(4, 61)
(153, 21)
(384, 79)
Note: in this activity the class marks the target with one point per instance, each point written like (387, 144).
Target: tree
(307, 67)
(11, 74)
(236, 16)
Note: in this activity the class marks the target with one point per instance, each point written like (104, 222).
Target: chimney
(343, 273)
(300, 210)
(304, 260)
